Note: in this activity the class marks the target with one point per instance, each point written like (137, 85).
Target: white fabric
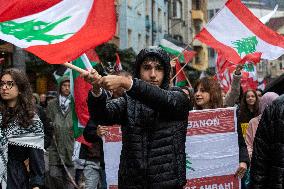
(226, 28)
(77, 10)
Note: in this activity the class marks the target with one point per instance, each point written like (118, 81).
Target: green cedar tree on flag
(180, 78)
(57, 31)
(175, 50)
(79, 90)
(235, 32)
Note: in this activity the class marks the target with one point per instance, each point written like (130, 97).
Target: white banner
(211, 148)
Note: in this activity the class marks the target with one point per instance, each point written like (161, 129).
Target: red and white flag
(117, 66)
(57, 31)
(236, 32)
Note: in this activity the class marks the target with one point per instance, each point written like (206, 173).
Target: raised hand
(113, 82)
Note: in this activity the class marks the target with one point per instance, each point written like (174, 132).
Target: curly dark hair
(25, 109)
(245, 113)
(211, 86)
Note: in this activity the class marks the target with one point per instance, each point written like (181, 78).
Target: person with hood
(61, 147)
(267, 162)
(265, 101)
(153, 119)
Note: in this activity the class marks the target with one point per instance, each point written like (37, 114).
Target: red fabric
(225, 70)
(180, 77)
(228, 53)
(118, 66)
(247, 18)
(188, 55)
(99, 28)
(93, 56)
(81, 90)
(13, 9)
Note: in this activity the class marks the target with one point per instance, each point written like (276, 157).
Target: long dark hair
(25, 109)
(213, 88)
(245, 114)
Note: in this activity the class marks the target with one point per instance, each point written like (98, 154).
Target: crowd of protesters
(37, 142)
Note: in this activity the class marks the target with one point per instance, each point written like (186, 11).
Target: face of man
(152, 72)
(42, 98)
(65, 88)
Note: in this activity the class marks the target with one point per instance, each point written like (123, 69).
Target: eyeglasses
(7, 84)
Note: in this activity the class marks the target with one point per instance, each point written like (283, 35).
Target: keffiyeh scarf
(64, 103)
(33, 137)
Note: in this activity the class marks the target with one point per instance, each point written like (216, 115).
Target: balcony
(197, 14)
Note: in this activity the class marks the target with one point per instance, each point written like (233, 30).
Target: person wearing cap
(61, 148)
(153, 119)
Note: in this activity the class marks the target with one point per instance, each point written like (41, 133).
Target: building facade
(142, 23)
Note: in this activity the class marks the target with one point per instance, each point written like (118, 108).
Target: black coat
(267, 164)
(154, 123)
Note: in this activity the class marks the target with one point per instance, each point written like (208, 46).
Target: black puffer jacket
(267, 164)
(154, 122)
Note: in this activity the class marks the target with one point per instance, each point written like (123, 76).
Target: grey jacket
(63, 134)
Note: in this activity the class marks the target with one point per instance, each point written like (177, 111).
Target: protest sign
(211, 148)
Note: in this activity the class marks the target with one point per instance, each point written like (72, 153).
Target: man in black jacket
(267, 163)
(153, 117)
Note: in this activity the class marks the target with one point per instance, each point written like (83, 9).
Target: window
(129, 38)
(147, 41)
(160, 20)
(139, 41)
(210, 14)
(177, 9)
(197, 4)
(211, 53)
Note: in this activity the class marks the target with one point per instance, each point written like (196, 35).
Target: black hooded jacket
(154, 121)
(267, 163)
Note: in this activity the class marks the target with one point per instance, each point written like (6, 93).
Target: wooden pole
(76, 68)
(189, 44)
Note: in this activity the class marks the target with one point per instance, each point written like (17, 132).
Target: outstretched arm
(106, 112)
(174, 102)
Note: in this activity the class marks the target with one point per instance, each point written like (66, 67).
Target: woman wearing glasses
(21, 134)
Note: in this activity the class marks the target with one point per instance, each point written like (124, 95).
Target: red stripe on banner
(226, 181)
(229, 53)
(210, 122)
(13, 9)
(254, 24)
(99, 28)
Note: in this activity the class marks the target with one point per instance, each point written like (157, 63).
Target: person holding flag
(153, 118)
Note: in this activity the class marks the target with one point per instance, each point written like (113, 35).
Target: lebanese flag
(225, 71)
(117, 66)
(236, 32)
(180, 78)
(79, 90)
(57, 31)
(175, 50)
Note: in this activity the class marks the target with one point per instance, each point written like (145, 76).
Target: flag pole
(76, 68)
(189, 44)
